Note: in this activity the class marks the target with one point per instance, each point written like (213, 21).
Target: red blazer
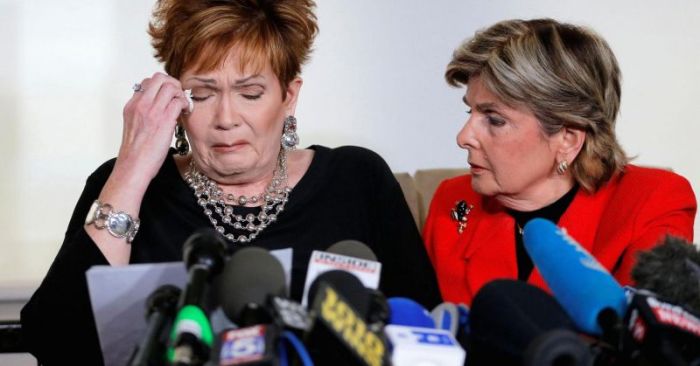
(632, 212)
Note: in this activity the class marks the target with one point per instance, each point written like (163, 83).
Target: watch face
(119, 223)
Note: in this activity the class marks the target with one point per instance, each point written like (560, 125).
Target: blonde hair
(567, 75)
(200, 34)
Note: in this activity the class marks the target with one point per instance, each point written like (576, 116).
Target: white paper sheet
(118, 297)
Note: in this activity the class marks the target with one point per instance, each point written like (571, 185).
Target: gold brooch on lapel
(459, 213)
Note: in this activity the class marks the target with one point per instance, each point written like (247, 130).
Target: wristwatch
(119, 224)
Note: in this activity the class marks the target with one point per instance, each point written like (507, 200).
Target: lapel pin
(460, 214)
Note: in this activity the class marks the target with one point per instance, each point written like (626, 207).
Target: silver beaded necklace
(211, 197)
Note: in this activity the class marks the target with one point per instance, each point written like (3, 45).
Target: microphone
(453, 318)
(191, 336)
(513, 322)
(160, 307)
(253, 345)
(378, 313)
(415, 341)
(347, 255)
(251, 276)
(663, 316)
(557, 347)
(586, 290)
(348, 285)
(252, 291)
(404, 311)
(423, 346)
(353, 248)
(369, 303)
(672, 271)
(203, 254)
(338, 334)
(668, 334)
(379, 310)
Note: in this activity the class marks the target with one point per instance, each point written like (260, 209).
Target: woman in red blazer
(543, 98)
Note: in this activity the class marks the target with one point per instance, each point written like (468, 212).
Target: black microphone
(672, 271)
(558, 347)
(191, 337)
(347, 284)
(660, 332)
(338, 334)
(160, 308)
(203, 254)
(663, 320)
(513, 322)
(353, 248)
(250, 278)
(253, 296)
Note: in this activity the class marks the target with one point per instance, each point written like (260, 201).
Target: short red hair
(200, 34)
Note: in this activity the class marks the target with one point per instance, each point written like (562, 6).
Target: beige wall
(375, 80)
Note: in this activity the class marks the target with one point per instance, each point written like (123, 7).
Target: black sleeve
(406, 268)
(58, 327)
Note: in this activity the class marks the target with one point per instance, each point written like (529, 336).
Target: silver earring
(562, 167)
(181, 144)
(290, 139)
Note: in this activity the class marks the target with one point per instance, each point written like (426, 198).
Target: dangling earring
(562, 167)
(290, 139)
(181, 144)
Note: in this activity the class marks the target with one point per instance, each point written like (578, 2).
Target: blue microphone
(404, 311)
(585, 289)
(415, 340)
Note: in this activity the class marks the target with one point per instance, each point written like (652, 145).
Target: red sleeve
(669, 209)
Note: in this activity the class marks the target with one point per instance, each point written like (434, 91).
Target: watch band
(119, 224)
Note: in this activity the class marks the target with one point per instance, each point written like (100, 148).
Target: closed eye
(252, 96)
(251, 91)
(200, 99)
(201, 94)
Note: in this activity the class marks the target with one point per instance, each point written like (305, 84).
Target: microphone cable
(298, 346)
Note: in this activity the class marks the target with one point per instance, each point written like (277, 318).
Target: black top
(346, 193)
(552, 213)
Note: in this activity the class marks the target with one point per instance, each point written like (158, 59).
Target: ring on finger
(137, 88)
